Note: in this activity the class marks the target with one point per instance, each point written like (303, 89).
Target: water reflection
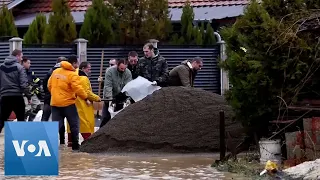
(129, 166)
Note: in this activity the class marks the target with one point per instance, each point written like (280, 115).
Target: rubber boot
(1, 127)
(85, 135)
(75, 143)
(75, 146)
(62, 136)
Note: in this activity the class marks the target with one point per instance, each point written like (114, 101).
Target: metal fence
(4, 50)
(44, 57)
(208, 77)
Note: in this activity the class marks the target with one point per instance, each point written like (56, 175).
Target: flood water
(84, 166)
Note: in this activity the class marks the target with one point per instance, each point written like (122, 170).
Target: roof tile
(5, 2)
(197, 3)
(35, 6)
(45, 5)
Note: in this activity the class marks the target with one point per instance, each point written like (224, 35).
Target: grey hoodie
(13, 78)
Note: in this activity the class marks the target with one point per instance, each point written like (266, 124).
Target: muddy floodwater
(76, 165)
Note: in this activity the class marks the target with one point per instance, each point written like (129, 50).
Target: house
(219, 12)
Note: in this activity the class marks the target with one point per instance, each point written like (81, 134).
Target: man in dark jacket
(34, 85)
(13, 83)
(153, 66)
(133, 62)
(184, 74)
(47, 97)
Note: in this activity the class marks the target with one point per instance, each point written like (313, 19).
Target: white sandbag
(139, 88)
(111, 110)
(38, 116)
(112, 113)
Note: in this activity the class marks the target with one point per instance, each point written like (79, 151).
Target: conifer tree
(198, 36)
(61, 27)
(158, 21)
(131, 16)
(7, 26)
(36, 29)
(176, 39)
(97, 27)
(280, 63)
(202, 29)
(250, 95)
(187, 23)
(142, 20)
(189, 34)
(209, 38)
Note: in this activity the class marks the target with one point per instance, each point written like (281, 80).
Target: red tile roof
(34, 6)
(197, 3)
(45, 5)
(5, 2)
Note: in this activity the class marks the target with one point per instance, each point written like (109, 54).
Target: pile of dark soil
(172, 119)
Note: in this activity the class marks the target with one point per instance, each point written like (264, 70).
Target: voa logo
(21, 146)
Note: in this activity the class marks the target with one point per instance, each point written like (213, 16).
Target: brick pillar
(15, 43)
(82, 49)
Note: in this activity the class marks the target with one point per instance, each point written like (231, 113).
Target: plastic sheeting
(139, 88)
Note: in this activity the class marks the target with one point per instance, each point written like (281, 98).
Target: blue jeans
(69, 112)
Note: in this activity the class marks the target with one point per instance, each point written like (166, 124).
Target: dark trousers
(46, 112)
(118, 100)
(69, 112)
(45, 117)
(106, 116)
(9, 104)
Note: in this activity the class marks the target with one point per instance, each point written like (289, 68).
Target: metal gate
(44, 57)
(4, 50)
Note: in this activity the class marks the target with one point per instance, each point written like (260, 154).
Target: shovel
(99, 90)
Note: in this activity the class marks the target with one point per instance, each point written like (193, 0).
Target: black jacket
(47, 95)
(133, 70)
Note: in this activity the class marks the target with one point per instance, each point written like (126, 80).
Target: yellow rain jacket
(64, 86)
(85, 112)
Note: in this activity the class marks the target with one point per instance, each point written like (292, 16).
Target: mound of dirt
(172, 119)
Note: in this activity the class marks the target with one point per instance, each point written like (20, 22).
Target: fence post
(82, 49)
(15, 43)
(222, 131)
(224, 80)
(154, 42)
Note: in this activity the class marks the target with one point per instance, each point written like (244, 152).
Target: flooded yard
(77, 165)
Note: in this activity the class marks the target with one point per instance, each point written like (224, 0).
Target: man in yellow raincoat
(85, 108)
